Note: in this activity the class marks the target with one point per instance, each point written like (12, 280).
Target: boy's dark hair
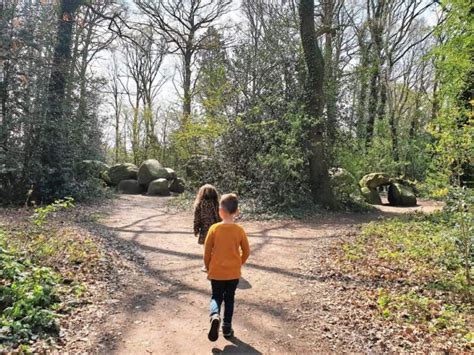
(230, 203)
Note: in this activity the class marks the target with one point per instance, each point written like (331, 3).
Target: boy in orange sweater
(226, 249)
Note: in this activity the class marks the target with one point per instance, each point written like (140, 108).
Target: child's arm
(197, 220)
(208, 245)
(244, 245)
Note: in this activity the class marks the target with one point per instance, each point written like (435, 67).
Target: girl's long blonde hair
(207, 192)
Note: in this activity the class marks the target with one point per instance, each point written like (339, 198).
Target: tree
(50, 118)
(117, 104)
(184, 25)
(318, 165)
(453, 127)
(330, 27)
(144, 57)
(56, 155)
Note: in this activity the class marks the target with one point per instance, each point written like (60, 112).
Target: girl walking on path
(206, 212)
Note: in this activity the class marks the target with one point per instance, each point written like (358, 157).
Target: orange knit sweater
(222, 251)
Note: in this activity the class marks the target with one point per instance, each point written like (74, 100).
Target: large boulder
(371, 196)
(374, 180)
(177, 186)
(123, 171)
(150, 170)
(171, 174)
(131, 187)
(158, 187)
(401, 195)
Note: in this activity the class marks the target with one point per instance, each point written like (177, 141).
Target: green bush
(426, 261)
(40, 263)
(28, 297)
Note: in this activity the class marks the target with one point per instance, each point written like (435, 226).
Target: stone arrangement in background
(151, 177)
(124, 171)
(400, 193)
(129, 186)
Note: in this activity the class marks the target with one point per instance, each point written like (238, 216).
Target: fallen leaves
(341, 304)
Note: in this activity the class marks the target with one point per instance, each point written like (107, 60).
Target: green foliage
(42, 213)
(414, 308)
(196, 138)
(28, 297)
(281, 167)
(460, 207)
(425, 262)
(453, 128)
(40, 264)
(419, 244)
(414, 156)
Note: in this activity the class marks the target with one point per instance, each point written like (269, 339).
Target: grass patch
(429, 313)
(43, 264)
(416, 245)
(418, 265)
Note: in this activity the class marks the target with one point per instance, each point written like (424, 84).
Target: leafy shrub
(41, 213)
(263, 161)
(40, 263)
(28, 297)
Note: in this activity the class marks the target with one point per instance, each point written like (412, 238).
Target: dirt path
(165, 312)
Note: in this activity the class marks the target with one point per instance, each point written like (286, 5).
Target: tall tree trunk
(4, 131)
(82, 74)
(136, 131)
(383, 96)
(117, 133)
(372, 109)
(6, 36)
(318, 165)
(330, 78)
(187, 86)
(376, 25)
(394, 135)
(435, 101)
(56, 157)
(362, 94)
(118, 110)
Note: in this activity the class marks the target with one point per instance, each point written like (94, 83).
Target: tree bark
(318, 165)
(55, 153)
(394, 134)
(363, 86)
(330, 77)
(4, 133)
(372, 109)
(187, 86)
(376, 26)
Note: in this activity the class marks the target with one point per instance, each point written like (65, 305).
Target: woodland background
(264, 96)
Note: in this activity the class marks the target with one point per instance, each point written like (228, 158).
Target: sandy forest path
(165, 310)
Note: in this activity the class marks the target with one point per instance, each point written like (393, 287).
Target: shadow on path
(237, 347)
(170, 284)
(244, 284)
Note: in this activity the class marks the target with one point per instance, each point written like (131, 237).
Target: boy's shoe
(214, 329)
(204, 269)
(227, 331)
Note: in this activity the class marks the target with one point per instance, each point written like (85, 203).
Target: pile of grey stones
(150, 177)
(400, 192)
